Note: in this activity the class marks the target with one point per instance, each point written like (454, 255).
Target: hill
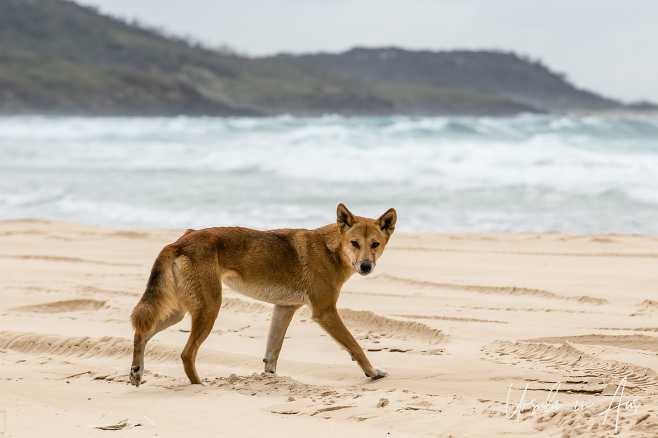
(497, 73)
(80, 36)
(35, 84)
(57, 57)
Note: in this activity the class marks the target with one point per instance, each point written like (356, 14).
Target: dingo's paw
(270, 366)
(136, 376)
(376, 373)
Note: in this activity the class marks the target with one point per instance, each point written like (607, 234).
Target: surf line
(553, 404)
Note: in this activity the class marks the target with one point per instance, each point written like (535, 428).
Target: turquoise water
(445, 174)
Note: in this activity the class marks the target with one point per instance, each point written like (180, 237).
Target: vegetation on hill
(79, 35)
(57, 57)
(35, 84)
(502, 74)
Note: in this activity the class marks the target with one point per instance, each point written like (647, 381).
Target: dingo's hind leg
(137, 368)
(202, 323)
(200, 291)
(281, 317)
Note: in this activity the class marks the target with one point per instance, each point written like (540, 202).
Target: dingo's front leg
(330, 321)
(281, 317)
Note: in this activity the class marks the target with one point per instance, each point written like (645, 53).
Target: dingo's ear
(387, 221)
(344, 218)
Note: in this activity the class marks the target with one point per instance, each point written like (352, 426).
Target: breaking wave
(524, 173)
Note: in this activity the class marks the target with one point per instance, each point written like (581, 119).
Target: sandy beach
(463, 323)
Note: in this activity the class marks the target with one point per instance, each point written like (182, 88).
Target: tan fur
(288, 268)
(159, 298)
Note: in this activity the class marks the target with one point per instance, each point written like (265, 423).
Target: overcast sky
(607, 46)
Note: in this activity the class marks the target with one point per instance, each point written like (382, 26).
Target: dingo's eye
(375, 244)
(355, 244)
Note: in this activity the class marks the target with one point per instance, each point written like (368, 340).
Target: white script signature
(553, 404)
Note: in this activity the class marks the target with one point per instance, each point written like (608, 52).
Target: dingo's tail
(159, 299)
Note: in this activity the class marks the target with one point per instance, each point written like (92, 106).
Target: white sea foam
(525, 173)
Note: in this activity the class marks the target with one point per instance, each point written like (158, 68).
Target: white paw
(376, 373)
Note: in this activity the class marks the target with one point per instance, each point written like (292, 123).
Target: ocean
(442, 174)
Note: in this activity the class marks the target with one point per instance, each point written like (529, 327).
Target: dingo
(288, 268)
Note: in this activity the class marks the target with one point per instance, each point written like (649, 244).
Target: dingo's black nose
(366, 267)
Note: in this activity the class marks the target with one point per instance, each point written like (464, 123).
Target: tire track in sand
(62, 306)
(502, 290)
(360, 320)
(571, 360)
(81, 347)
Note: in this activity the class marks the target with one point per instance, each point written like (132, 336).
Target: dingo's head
(363, 240)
